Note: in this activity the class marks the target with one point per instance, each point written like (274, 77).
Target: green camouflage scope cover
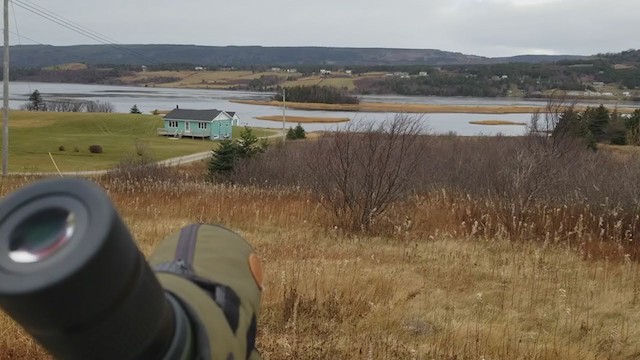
(217, 277)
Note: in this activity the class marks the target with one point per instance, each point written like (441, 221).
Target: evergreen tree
(37, 104)
(299, 132)
(597, 119)
(291, 134)
(222, 160)
(248, 144)
(134, 109)
(633, 128)
(616, 130)
(569, 124)
(573, 124)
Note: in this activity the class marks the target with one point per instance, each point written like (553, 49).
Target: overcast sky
(479, 27)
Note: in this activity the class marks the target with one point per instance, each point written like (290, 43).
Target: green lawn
(32, 135)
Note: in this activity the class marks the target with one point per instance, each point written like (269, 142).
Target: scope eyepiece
(72, 276)
(41, 235)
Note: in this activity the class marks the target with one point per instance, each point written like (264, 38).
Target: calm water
(149, 99)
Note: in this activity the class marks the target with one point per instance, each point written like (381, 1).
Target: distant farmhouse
(212, 124)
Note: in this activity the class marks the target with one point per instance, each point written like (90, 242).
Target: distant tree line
(317, 94)
(599, 125)
(523, 79)
(436, 85)
(92, 75)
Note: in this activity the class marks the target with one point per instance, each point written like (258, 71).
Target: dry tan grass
(412, 108)
(395, 107)
(433, 288)
(196, 79)
(305, 119)
(69, 67)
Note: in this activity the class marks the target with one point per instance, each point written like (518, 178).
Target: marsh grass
(449, 274)
(409, 108)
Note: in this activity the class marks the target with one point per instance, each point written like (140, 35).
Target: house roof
(197, 115)
(231, 113)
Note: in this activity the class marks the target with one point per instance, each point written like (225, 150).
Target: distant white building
(325, 72)
(348, 72)
(199, 68)
(292, 71)
(626, 94)
(423, 73)
(276, 69)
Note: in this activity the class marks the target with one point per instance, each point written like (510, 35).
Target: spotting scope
(72, 276)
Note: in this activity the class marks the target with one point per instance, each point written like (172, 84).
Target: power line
(65, 20)
(68, 24)
(20, 36)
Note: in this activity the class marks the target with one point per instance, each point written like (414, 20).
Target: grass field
(32, 135)
(197, 79)
(430, 290)
(339, 82)
(229, 79)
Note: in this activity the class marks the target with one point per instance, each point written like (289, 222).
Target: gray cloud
(481, 27)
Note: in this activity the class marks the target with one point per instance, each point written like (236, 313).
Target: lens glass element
(41, 235)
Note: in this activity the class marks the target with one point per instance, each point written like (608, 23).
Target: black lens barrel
(95, 297)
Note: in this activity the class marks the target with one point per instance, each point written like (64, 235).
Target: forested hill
(37, 56)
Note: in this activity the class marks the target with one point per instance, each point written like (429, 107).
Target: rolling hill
(38, 56)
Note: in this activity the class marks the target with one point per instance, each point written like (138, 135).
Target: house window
(202, 125)
(173, 124)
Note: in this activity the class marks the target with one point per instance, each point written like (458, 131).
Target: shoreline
(412, 108)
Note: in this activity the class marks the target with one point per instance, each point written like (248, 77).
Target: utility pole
(284, 116)
(5, 106)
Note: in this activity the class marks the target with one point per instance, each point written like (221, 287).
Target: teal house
(212, 124)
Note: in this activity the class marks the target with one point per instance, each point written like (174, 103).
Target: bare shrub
(95, 149)
(142, 170)
(99, 107)
(277, 166)
(359, 170)
(72, 106)
(64, 106)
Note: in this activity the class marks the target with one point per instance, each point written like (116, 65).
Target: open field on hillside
(197, 79)
(412, 108)
(340, 81)
(232, 79)
(304, 119)
(32, 135)
(435, 288)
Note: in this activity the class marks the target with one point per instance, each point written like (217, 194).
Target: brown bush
(95, 149)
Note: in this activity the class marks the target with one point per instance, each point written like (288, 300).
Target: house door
(187, 127)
